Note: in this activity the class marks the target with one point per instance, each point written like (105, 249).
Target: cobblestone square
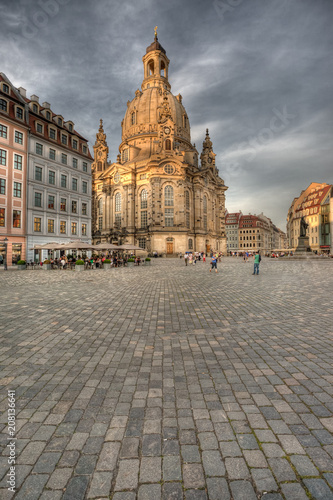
(169, 382)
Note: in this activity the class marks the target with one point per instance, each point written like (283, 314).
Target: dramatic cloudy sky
(257, 73)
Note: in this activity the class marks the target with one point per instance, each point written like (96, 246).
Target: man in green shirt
(257, 260)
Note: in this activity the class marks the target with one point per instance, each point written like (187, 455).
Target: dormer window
(5, 88)
(60, 122)
(19, 113)
(35, 108)
(70, 127)
(48, 115)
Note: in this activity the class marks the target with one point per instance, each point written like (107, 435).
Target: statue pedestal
(303, 244)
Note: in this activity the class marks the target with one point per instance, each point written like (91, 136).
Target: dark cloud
(239, 64)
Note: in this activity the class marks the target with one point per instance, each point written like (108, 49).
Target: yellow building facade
(159, 194)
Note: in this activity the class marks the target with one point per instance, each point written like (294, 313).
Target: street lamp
(5, 261)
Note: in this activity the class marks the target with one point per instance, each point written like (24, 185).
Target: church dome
(143, 113)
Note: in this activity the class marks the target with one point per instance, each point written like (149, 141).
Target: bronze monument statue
(303, 227)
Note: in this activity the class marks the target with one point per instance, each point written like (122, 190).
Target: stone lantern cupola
(156, 66)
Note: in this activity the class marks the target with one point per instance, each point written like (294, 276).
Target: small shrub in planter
(21, 265)
(47, 264)
(79, 265)
(130, 262)
(147, 261)
(107, 264)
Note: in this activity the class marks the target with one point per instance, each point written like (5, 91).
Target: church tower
(101, 151)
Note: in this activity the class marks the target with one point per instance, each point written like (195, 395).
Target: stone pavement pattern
(168, 382)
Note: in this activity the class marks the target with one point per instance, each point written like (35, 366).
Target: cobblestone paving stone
(168, 382)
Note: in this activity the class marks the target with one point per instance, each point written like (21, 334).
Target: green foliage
(131, 260)
(47, 261)
(21, 262)
(107, 261)
(147, 259)
(79, 263)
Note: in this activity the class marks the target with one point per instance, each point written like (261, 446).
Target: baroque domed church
(159, 194)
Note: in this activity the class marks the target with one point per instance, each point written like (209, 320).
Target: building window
(190, 244)
(39, 149)
(74, 184)
(84, 149)
(75, 162)
(3, 105)
(2, 186)
(118, 202)
(17, 190)
(62, 227)
(38, 199)
(63, 181)
(62, 204)
(50, 226)
(168, 196)
(52, 154)
(84, 230)
(169, 169)
(144, 219)
(17, 162)
(84, 209)
(100, 206)
(18, 137)
(74, 207)
(85, 166)
(133, 118)
(64, 139)
(16, 218)
(74, 144)
(60, 122)
(142, 243)
(64, 158)
(168, 145)
(118, 220)
(3, 217)
(37, 224)
(100, 223)
(48, 115)
(116, 177)
(84, 187)
(124, 155)
(3, 157)
(51, 177)
(187, 209)
(187, 219)
(38, 173)
(19, 113)
(39, 128)
(74, 228)
(168, 212)
(70, 127)
(3, 131)
(5, 88)
(50, 203)
(53, 134)
(35, 108)
(144, 199)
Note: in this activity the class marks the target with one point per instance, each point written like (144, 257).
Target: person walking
(213, 263)
(186, 259)
(257, 259)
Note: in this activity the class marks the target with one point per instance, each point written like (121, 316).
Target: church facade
(159, 194)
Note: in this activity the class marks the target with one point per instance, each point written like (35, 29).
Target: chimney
(34, 98)
(22, 91)
(46, 105)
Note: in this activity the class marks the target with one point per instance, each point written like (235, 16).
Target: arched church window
(144, 199)
(162, 71)
(99, 166)
(187, 209)
(124, 155)
(168, 145)
(133, 118)
(118, 209)
(190, 244)
(100, 206)
(168, 196)
(205, 212)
